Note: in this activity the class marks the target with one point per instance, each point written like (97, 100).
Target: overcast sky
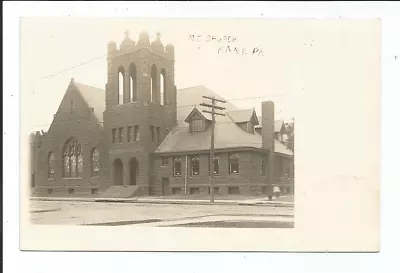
(52, 45)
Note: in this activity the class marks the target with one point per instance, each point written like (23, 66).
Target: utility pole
(213, 113)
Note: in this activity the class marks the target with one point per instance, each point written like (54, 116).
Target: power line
(75, 66)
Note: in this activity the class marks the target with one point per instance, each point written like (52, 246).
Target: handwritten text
(212, 38)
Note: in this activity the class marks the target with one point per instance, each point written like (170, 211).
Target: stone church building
(141, 136)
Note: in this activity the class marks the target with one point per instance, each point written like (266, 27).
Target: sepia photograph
(189, 125)
(144, 149)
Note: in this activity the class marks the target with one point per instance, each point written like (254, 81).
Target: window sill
(234, 173)
(51, 179)
(72, 178)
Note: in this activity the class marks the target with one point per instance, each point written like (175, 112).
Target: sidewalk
(251, 202)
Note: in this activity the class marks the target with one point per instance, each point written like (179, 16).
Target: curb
(166, 202)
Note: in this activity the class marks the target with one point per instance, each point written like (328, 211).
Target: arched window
(163, 87)
(95, 162)
(72, 159)
(121, 74)
(51, 165)
(195, 162)
(132, 83)
(153, 91)
(233, 163)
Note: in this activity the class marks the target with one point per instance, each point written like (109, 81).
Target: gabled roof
(227, 133)
(187, 98)
(277, 125)
(196, 112)
(94, 97)
(245, 115)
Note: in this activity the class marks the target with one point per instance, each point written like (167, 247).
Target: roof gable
(240, 116)
(94, 97)
(190, 97)
(228, 135)
(278, 125)
(196, 114)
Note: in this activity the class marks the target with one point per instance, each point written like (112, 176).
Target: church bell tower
(140, 107)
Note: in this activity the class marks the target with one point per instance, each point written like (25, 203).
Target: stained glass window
(72, 159)
(51, 165)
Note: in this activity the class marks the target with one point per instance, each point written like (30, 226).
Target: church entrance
(118, 172)
(134, 171)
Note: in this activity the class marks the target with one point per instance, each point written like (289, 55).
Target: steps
(121, 192)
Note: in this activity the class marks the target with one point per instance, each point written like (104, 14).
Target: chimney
(268, 136)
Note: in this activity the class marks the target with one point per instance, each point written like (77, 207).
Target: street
(159, 215)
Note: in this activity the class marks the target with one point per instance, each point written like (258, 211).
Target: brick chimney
(268, 136)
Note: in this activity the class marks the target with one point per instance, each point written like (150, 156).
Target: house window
(114, 131)
(158, 134)
(233, 190)
(152, 132)
(120, 134)
(72, 159)
(233, 164)
(194, 190)
(95, 162)
(197, 125)
(262, 171)
(71, 191)
(49, 191)
(51, 165)
(95, 191)
(195, 160)
(177, 166)
(216, 166)
(130, 133)
(216, 190)
(165, 161)
(136, 133)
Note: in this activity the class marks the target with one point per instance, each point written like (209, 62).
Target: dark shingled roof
(94, 97)
(227, 133)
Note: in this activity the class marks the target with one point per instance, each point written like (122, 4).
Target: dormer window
(250, 127)
(197, 121)
(245, 119)
(197, 125)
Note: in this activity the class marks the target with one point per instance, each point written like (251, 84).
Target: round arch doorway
(118, 172)
(133, 171)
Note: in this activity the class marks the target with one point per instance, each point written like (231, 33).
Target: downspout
(186, 173)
